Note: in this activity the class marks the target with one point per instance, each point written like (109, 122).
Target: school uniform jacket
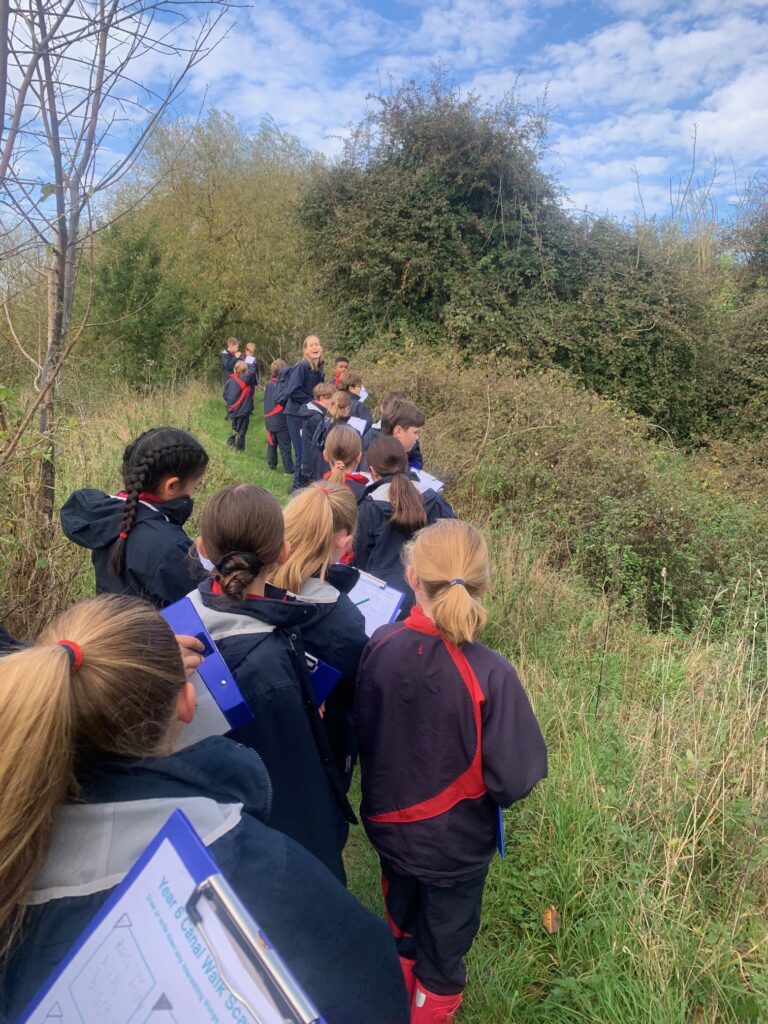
(227, 362)
(335, 633)
(361, 411)
(445, 735)
(238, 395)
(378, 543)
(299, 386)
(260, 641)
(274, 414)
(158, 564)
(225, 791)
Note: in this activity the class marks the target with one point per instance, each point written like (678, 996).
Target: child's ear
(186, 703)
(168, 488)
(411, 577)
(198, 542)
(285, 552)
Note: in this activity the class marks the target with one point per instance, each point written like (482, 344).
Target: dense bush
(594, 483)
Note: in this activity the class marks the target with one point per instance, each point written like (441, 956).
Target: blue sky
(629, 82)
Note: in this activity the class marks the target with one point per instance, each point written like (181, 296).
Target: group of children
(97, 712)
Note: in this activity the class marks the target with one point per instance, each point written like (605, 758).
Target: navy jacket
(314, 466)
(238, 395)
(266, 657)
(299, 386)
(274, 415)
(361, 411)
(335, 633)
(378, 543)
(227, 362)
(158, 563)
(445, 736)
(8, 643)
(312, 415)
(342, 955)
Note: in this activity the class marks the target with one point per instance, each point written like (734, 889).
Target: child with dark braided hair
(136, 537)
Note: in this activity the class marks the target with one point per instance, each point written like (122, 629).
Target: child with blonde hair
(89, 717)
(446, 736)
(343, 450)
(320, 524)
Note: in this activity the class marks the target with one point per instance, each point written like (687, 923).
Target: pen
(358, 603)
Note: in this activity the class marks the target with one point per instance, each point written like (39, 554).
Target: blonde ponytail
(120, 699)
(450, 559)
(312, 518)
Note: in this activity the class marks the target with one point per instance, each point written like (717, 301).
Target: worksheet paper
(146, 963)
(378, 602)
(358, 423)
(429, 482)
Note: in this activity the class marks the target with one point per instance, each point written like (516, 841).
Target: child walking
(238, 398)
(320, 523)
(136, 538)
(259, 637)
(274, 421)
(395, 506)
(446, 736)
(89, 717)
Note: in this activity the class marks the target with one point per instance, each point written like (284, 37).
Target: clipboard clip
(262, 958)
(381, 584)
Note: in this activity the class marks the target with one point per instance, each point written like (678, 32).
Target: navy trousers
(435, 925)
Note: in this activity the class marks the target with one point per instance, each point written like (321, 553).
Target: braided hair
(154, 455)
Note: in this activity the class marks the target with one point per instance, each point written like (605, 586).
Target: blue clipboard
(501, 846)
(108, 961)
(323, 676)
(184, 619)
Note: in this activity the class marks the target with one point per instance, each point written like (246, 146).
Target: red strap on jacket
(469, 785)
(245, 390)
(273, 412)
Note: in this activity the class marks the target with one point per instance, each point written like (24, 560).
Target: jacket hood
(311, 409)
(92, 518)
(379, 489)
(270, 610)
(95, 843)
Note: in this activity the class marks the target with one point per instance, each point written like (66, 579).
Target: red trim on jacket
(245, 390)
(358, 478)
(469, 785)
(144, 496)
(273, 412)
(216, 589)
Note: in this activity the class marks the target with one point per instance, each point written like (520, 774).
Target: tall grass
(649, 836)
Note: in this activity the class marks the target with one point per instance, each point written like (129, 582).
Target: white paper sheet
(378, 602)
(358, 423)
(146, 963)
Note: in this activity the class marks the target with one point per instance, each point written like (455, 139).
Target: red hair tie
(123, 536)
(75, 653)
(324, 490)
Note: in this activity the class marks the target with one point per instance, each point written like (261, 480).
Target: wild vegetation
(595, 399)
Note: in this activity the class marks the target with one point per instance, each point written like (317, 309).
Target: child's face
(407, 436)
(356, 389)
(342, 365)
(325, 402)
(172, 487)
(231, 348)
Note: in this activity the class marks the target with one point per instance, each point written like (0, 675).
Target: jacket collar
(419, 622)
(270, 609)
(176, 511)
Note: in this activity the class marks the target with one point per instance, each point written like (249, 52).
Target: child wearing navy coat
(89, 716)
(274, 420)
(229, 356)
(338, 411)
(238, 397)
(136, 537)
(259, 635)
(311, 414)
(352, 382)
(342, 452)
(447, 735)
(404, 420)
(320, 523)
(395, 506)
(298, 388)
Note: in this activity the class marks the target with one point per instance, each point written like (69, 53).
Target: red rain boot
(406, 967)
(430, 1008)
